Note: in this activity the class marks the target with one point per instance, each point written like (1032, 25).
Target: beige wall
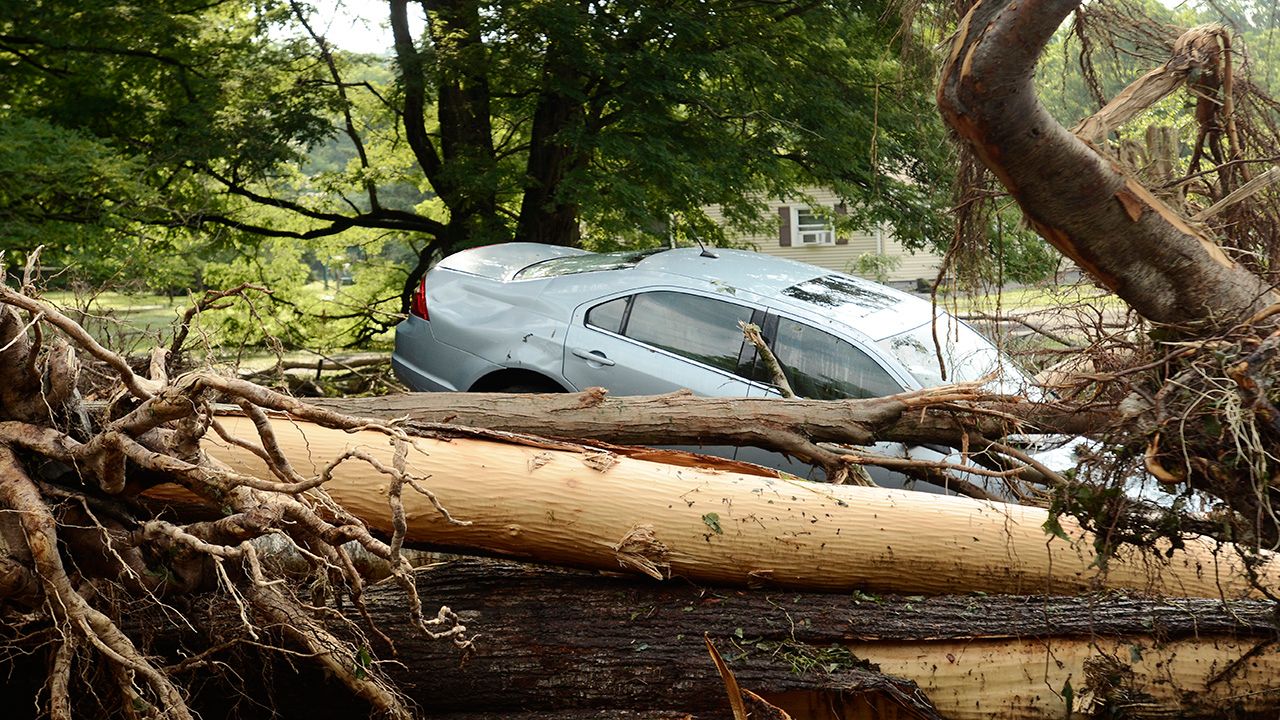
(840, 257)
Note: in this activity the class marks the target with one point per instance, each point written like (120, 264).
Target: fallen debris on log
(813, 431)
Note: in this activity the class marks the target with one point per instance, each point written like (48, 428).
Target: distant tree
(114, 114)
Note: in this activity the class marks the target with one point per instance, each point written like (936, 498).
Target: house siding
(842, 257)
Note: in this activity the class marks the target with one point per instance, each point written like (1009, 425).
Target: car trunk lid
(502, 261)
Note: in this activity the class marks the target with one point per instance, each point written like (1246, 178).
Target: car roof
(757, 272)
(872, 309)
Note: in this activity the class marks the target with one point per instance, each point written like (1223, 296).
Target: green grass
(1033, 298)
(122, 321)
(1063, 316)
(135, 322)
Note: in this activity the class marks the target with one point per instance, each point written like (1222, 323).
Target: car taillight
(419, 305)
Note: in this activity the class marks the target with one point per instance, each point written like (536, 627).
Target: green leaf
(364, 659)
(712, 520)
(1054, 528)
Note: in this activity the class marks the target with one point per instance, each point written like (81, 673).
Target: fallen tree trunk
(956, 416)
(577, 506)
(570, 642)
(686, 419)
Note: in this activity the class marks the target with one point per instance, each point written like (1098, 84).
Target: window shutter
(784, 229)
(841, 211)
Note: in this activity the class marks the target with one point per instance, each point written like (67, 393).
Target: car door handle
(594, 356)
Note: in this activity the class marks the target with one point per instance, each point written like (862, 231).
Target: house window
(803, 226)
(812, 229)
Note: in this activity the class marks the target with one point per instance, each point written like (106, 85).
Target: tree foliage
(130, 610)
(554, 121)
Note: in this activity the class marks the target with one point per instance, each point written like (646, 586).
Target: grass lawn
(1015, 300)
(119, 320)
(134, 323)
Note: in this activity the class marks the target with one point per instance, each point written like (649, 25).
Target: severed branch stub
(1194, 53)
(1240, 194)
(751, 332)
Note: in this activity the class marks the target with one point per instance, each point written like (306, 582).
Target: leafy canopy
(196, 129)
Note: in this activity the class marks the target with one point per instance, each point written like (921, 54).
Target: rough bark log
(569, 642)
(586, 508)
(1105, 221)
(685, 419)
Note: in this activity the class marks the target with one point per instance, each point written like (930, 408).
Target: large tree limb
(413, 74)
(584, 507)
(683, 418)
(1105, 221)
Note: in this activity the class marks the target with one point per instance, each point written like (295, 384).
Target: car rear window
(591, 262)
(609, 316)
(696, 327)
(699, 328)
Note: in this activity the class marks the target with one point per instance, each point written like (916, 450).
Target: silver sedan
(522, 317)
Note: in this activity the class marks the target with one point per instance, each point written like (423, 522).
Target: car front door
(822, 366)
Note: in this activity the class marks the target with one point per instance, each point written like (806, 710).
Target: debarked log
(569, 641)
(587, 508)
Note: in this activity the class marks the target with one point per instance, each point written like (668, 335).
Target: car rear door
(658, 341)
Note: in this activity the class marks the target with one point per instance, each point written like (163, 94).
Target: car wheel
(530, 387)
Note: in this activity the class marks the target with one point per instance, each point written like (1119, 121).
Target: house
(804, 231)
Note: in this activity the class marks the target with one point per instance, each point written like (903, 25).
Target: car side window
(699, 328)
(821, 366)
(609, 316)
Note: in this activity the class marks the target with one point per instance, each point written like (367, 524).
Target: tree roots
(80, 551)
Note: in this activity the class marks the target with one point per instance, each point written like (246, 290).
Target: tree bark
(569, 643)
(555, 151)
(572, 505)
(686, 419)
(1105, 221)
